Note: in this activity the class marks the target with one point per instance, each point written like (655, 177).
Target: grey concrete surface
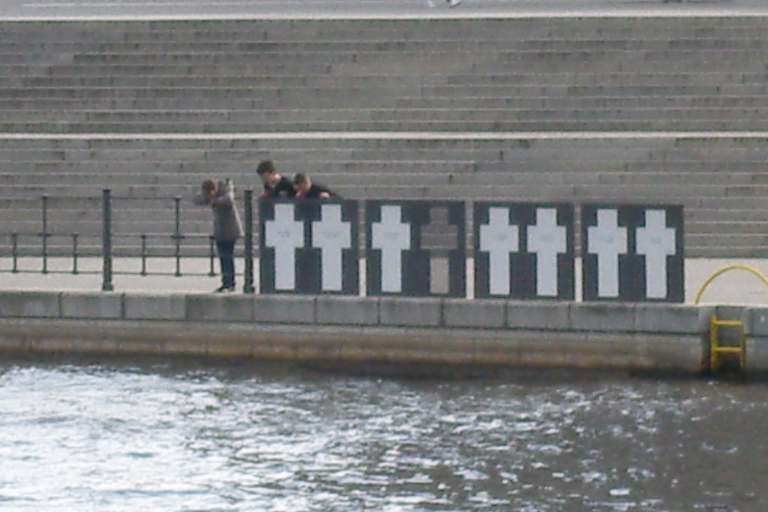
(250, 9)
(672, 318)
(285, 309)
(408, 331)
(733, 287)
(603, 317)
(331, 309)
(410, 312)
(154, 307)
(478, 313)
(539, 315)
(91, 306)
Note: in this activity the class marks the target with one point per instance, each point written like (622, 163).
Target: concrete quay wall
(641, 337)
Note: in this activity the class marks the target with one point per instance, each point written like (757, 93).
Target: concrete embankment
(638, 337)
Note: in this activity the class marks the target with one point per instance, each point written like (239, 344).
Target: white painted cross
(546, 239)
(331, 235)
(499, 238)
(608, 240)
(286, 235)
(656, 241)
(392, 237)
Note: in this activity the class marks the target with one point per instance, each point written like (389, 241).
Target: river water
(160, 436)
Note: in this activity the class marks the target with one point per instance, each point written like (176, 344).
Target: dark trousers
(226, 251)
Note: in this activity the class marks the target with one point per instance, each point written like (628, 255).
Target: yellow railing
(723, 270)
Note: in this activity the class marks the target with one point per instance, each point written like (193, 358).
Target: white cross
(656, 241)
(608, 240)
(499, 238)
(286, 235)
(547, 240)
(331, 235)
(391, 236)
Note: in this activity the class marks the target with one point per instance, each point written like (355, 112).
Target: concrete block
(337, 310)
(95, 306)
(672, 318)
(684, 354)
(603, 317)
(482, 314)
(29, 305)
(730, 313)
(756, 360)
(154, 307)
(551, 350)
(219, 308)
(756, 323)
(284, 309)
(410, 312)
(546, 316)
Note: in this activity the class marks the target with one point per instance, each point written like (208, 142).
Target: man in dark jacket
(227, 228)
(276, 186)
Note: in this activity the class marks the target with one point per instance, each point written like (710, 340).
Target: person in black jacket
(305, 189)
(275, 185)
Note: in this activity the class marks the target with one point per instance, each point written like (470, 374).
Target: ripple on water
(255, 438)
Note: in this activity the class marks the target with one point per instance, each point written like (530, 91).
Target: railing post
(74, 252)
(44, 234)
(211, 255)
(15, 252)
(177, 235)
(248, 242)
(143, 254)
(106, 242)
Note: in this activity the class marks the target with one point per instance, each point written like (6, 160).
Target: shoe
(224, 289)
(453, 3)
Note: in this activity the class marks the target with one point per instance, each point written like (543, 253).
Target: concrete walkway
(734, 287)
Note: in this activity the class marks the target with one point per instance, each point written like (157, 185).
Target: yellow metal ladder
(716, 349)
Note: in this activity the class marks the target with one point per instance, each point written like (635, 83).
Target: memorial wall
(526, 251)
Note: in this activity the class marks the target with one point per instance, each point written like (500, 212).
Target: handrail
(736, 266)
(101, 236)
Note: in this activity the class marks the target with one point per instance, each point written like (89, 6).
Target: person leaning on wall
(227, 228)
(306, 189)
(276, 186)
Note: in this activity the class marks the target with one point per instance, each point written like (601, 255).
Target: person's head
(209, 188)
(301, 183)
(266, 171)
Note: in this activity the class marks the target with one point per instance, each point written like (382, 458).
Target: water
(153, 436)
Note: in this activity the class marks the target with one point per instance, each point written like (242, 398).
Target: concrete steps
(650, 74)
(477, 77)
(65, 126)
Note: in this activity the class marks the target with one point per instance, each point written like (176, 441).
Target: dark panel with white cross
(309, 246)
(524, 250)
(633, 253)
(416, 248)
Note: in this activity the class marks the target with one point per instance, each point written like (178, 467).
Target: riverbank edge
(634, 337)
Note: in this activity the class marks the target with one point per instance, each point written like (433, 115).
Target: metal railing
(97, 236)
